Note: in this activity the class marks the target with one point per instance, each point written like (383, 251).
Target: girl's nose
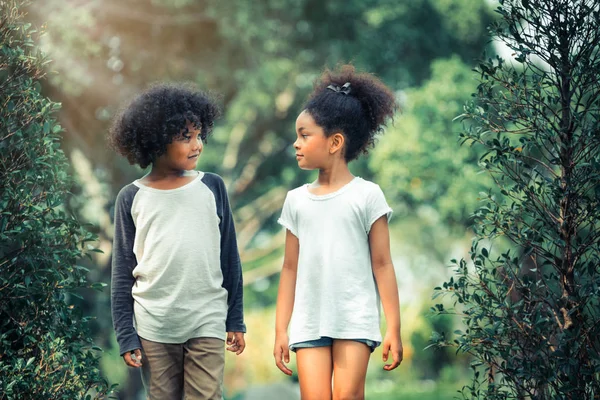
(296, 145)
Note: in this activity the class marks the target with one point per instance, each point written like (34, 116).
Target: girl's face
(183, 152)
(312, 146)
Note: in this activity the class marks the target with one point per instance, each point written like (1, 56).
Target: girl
(337, 259)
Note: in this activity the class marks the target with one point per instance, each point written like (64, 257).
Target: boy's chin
(186, 167)
(192, 164)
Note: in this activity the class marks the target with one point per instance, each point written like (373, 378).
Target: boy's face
(183, 152)
(312, 146)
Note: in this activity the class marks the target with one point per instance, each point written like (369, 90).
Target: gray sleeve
(123, 263)
(230, 259)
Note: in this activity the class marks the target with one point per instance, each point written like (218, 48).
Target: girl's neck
(336, 175)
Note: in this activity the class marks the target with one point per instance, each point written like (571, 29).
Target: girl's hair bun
(356, 103)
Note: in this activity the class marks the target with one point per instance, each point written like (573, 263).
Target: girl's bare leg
(350, 361)
(314, 372)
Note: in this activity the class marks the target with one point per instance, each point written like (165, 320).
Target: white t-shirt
(336, 292)
(176, 270)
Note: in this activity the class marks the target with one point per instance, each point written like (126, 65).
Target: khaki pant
(191, 371)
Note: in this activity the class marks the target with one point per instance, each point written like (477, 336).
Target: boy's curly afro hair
(358, 113)
(142, 130)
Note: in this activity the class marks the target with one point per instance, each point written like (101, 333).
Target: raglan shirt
(176, 272)
(336, 293)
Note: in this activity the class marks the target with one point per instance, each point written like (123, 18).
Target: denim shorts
(325, 341)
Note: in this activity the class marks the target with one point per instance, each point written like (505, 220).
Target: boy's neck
(167, 179)
(158, 173)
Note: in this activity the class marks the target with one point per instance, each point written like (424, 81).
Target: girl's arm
(285, 301)
(383, 269)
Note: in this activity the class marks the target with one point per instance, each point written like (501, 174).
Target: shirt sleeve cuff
(235, 327)
(287, 225)
(386, 211)
(130, 344)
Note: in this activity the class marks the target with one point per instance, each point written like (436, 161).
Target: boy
(175, 269)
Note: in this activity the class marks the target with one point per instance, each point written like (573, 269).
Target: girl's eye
(304, 136)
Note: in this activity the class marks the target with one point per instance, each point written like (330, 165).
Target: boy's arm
(123, 263)
(383, 270)
(231, 267)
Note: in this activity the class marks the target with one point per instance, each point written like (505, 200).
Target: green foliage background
(46, 350)
(529, 295)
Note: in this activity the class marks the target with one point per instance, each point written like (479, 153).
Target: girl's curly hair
(142, 130)
(359, 110)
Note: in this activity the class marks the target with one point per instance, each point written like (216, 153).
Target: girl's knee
(348, 394)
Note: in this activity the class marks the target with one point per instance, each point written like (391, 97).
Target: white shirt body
(336, 293)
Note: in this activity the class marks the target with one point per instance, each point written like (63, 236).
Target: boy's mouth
(194, 156)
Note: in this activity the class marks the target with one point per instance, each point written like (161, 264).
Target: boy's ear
(336, 142)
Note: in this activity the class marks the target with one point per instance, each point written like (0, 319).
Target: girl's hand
(236, 342)
(133, 358)
(281, 352)
(392, 343)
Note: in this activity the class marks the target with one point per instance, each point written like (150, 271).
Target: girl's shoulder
(293, 196)
(365, 183)
(369, 192)
(297, 191)
(365, 187)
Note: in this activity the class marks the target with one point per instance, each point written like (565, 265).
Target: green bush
(530, 296)
(45, 350)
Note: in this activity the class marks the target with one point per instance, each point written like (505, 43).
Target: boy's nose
(197, 144)
(296, 145)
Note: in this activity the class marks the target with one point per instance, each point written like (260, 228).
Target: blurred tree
(45, 349)
(532, 311)
(262, 57)
(419, 158)
(431, 363)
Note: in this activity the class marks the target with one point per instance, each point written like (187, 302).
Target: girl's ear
(336, 142)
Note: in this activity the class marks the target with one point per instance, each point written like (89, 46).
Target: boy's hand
(392, 343)
(281, 352)
(236, 342)
(133, 358)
